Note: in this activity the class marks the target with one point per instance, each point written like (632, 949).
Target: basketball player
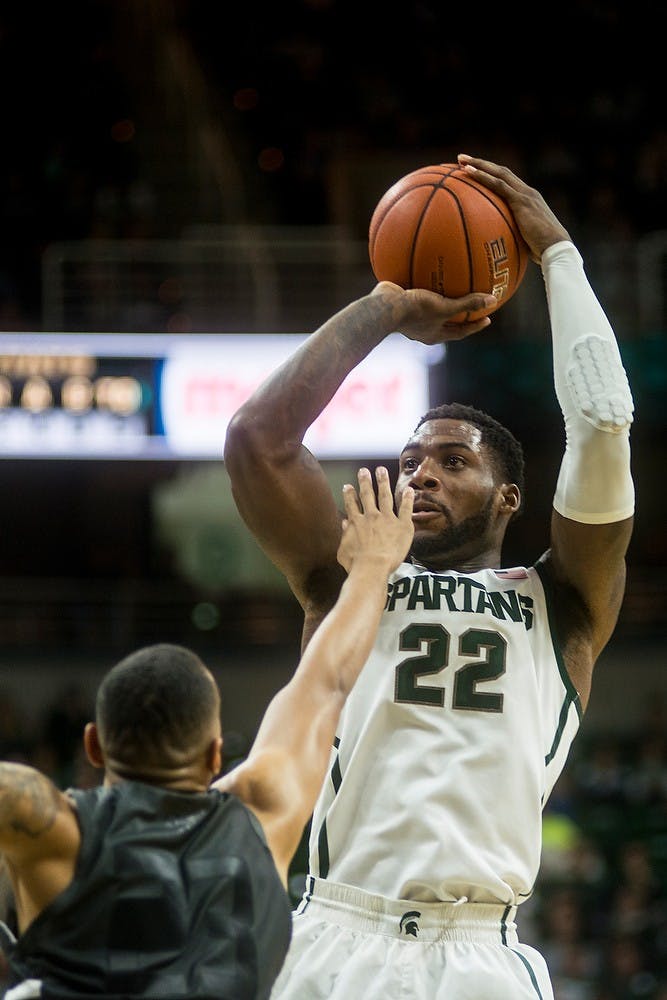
(426, 836)
(157, 884)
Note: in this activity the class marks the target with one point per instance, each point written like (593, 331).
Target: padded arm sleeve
(595, 482)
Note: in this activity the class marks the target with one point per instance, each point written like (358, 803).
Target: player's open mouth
(419, 516)
(424, 511)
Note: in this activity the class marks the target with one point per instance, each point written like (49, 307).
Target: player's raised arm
(594, 497)
(283, 773)
(278, 486)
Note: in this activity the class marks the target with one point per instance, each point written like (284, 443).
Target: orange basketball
(437, 228)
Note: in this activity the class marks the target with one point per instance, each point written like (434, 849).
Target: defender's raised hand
(371, 530)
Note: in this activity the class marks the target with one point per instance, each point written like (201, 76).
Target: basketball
(437, 228)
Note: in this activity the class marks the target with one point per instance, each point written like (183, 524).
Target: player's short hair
(506, 451)
(155, 708)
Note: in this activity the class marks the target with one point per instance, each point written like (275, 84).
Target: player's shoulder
(512, 573)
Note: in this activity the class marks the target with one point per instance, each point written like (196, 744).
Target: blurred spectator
(600, 776)
(650, 188)
(633, 913)
(63, 730)
(566, 943)
(15, 738)
(577, 974)
(625, 973)
(646, 784)
(635, 867)
(599, 910)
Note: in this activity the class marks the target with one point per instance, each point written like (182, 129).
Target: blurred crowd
(599, 912)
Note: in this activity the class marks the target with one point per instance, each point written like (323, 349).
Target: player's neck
(177, 782)
(459, 562)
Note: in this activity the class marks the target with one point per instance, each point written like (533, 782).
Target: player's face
(455, 494)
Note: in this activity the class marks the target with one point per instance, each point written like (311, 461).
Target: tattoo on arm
(29, 802)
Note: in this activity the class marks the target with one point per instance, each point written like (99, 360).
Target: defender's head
(157, 718)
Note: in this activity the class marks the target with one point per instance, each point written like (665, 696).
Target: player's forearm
(305, 713)
(293, 396)
(343, 642)
(595, 484)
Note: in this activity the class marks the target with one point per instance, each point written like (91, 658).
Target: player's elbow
(248, 441)
(240, 438)
(256, 442)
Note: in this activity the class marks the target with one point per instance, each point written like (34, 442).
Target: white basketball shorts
(352, 945)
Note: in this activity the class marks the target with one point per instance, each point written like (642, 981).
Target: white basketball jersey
(450, 742)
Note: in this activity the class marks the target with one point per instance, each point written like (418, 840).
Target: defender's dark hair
(506, 451)
(155, 707)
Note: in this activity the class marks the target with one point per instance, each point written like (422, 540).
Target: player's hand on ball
(539, 226)
(438, 228)
(426, 316)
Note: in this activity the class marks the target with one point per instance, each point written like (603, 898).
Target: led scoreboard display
(153, 396)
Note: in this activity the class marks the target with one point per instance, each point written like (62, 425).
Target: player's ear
(214, 756)
(511, 497)
(92, 746)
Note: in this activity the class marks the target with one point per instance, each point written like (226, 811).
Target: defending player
(156, 885)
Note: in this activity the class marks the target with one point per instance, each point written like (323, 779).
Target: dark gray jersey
(175, 896)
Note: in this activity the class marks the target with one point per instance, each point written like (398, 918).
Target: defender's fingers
(366, 491)
(407, 503)
(351, 501)
(385, 499)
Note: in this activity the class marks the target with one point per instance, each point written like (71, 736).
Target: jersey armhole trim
(572, 693)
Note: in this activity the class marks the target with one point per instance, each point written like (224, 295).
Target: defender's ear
(214, 756)
(91, 744)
